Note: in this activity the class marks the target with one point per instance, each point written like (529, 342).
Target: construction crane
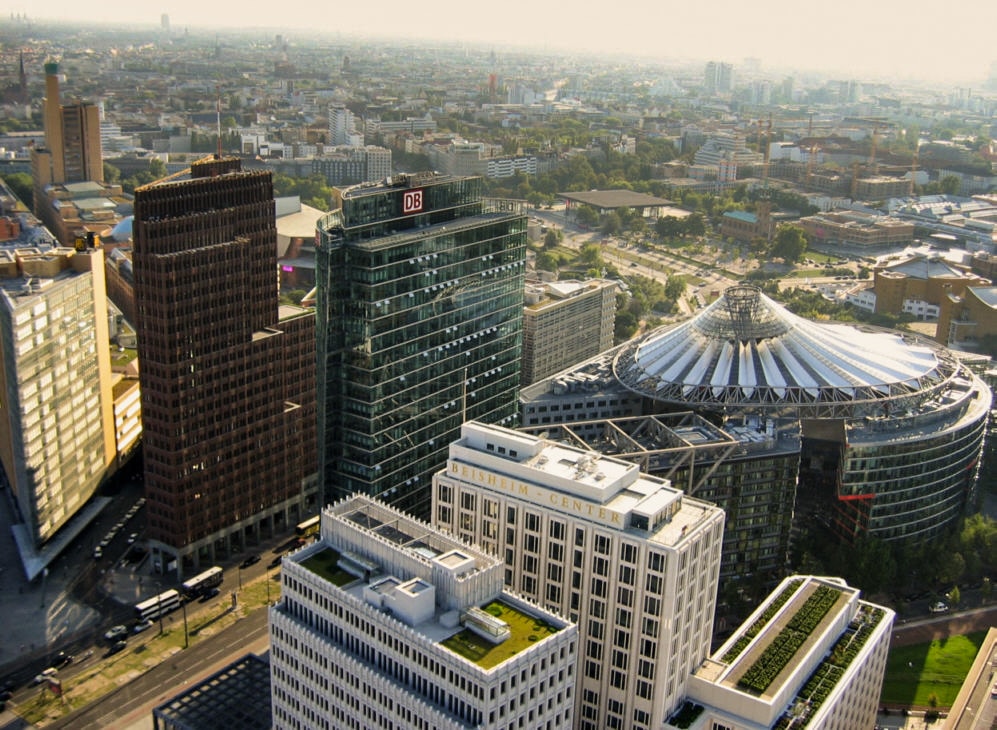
(873, 170)
(765, 159)
(913, 171)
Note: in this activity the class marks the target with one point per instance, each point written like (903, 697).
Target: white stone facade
(631, 560)
(364, 653)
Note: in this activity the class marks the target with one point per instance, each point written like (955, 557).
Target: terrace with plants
(821, 683)
(792, 634)
(525, 630)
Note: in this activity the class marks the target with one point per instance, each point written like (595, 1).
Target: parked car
(98, 552)
(251, 560)
(62, 659)
(116, 633)
(938, 607)
(276, 561)
(142, 626)
(132, 538)
(116, 647)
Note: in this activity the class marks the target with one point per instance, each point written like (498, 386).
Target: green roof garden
(325, 564)
(525, 630)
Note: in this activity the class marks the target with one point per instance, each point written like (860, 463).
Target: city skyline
(870, 42)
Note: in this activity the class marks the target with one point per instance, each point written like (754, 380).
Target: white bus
(308, 528)
(203, 581)
(158, 606)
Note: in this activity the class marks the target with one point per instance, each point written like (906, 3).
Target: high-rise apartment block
(564, 323)
(71, 153)
(388, 623)
(420, 311)
(343, 127)
(630, 559)
(227, 373)
(812, 655)
(72, 139)
(57, 432)
(718, 77)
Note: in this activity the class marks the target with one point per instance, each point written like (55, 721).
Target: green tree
(547, 261)
(669, 227)
(552, 238)
(611, 223)
(694, 225)
(21, 184)
(949, 185)
(587, 216)
(955, 596)
(157, 168)
(675, 287)
(950, 566)
(625, 325)
(790, 243)
(590, 255)
(112, 175)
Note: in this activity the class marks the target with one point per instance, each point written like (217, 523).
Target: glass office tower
(420, 308)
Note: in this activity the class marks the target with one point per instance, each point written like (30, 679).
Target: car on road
(45, 675)
(251, 560)
(116, 647)
(276, 561)
(209, 594)
(132, 538)
(62, 659)
(938, 607)
(98, 552)
(142, 626)
(116, 632)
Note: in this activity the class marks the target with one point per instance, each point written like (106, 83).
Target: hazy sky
(868, 39)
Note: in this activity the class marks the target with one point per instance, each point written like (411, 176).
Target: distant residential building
(72, 211)
(351, 165)
(930, 279)
(812, 655)
(387, 622)
(879, 187)
(57, 430)
(718, 78)
(342, 127)
(564, 323)
(631, 560)
(729, 147)
(852, 228)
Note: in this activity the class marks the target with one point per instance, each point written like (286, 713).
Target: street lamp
(240, 577)
(186, 642)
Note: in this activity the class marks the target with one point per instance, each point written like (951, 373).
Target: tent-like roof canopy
(745, 350)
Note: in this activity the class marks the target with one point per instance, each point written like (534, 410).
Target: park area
(929, 675)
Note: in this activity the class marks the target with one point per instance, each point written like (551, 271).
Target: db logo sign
(412, 201)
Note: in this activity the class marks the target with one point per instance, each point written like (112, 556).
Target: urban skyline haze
(873, 42)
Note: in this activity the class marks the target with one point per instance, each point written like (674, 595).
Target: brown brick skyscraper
(227, 374)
